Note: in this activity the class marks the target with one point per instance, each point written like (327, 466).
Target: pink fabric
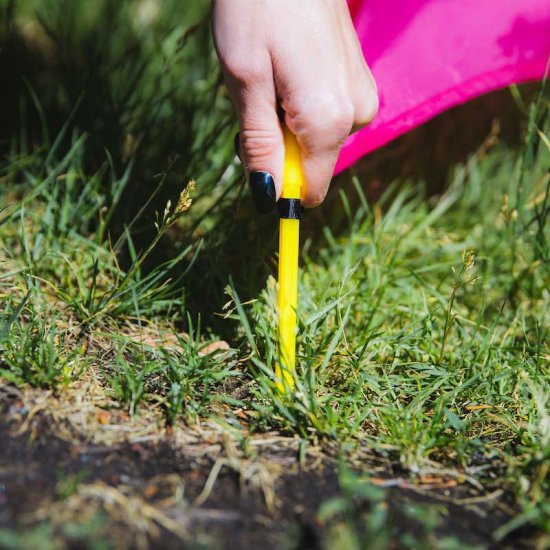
(429, 55)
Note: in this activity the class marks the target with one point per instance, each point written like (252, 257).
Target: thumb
(261, 144)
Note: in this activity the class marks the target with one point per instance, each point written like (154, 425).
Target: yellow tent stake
(289, 232)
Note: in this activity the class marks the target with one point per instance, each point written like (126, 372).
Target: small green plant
(462, 279)
(34, 350)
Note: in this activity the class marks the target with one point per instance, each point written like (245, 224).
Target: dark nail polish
(262, 188)
(237, 144)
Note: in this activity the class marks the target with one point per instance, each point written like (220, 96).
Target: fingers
(365, 99)
(306, 57)
(321, 125)
(261, 137)
(363, 86)
(262, 147)
(323, 101)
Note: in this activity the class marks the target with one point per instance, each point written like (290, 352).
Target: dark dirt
(32, 470)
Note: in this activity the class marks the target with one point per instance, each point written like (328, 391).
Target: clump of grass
(188, 381)
(70, 305)
(34, 351)
(424, 331)
(136, 79)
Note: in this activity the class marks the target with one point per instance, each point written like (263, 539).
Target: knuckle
(369, 109)
(334, 112)
(343, 119)
(242, 68)
(315, 198)
(374, 106)
(329, 115)
(258, 145)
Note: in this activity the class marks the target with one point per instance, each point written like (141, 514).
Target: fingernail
(262, 188)
(237, 144)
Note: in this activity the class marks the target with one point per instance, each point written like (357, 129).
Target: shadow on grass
(247, 243)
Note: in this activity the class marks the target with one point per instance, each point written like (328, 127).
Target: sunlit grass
(423, 327)
(423, 324)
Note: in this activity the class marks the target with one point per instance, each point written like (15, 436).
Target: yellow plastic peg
(290, 213)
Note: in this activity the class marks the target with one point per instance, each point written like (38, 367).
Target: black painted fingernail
(237, 144)
(262, 188)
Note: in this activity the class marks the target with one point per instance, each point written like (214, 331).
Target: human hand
(302, 57)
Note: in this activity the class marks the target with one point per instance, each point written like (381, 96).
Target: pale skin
(300, 58)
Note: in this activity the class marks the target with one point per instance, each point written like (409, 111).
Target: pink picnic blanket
(429, 55)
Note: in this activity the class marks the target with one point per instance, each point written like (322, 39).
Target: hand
(303, 57)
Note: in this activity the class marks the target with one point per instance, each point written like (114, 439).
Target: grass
(424, 329)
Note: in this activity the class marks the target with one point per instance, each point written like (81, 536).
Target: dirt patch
(157, 491)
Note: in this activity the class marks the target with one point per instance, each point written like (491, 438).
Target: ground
(420, 415)
(138, 333)
(151, 488)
